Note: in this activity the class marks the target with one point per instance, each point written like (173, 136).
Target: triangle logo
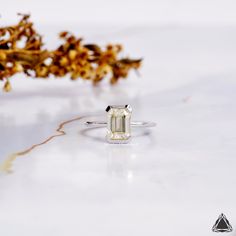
(222, 225)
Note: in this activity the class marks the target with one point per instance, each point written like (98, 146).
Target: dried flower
(21, 50)
(7, 86)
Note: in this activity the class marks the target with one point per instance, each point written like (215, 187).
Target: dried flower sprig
(21, 50)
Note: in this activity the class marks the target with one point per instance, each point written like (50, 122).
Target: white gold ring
(119, 124)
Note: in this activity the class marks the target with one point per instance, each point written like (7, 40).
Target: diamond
(118, 124)
(222, 225)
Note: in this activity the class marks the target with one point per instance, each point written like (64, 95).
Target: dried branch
(21, 50)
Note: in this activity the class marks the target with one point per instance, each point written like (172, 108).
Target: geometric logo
(222, 225)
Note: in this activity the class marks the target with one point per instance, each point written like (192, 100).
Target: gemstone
(222, 225)
(118, 124)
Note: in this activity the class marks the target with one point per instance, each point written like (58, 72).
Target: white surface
(174, 181)
(123, 12)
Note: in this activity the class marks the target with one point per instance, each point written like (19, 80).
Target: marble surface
(173, 180)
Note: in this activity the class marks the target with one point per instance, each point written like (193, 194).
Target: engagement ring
(119, 124)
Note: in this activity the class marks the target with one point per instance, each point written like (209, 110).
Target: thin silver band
(142, 124)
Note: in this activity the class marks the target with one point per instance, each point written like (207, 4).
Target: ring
(119, 124)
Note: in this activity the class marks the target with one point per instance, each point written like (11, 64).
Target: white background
(201, 12)
(173, 181)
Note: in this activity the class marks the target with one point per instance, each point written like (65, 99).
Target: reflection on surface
(121, 158)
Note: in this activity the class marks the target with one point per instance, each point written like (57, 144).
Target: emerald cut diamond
(118, 124)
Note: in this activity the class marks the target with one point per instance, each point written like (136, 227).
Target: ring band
(139, 124)
(119, 124)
